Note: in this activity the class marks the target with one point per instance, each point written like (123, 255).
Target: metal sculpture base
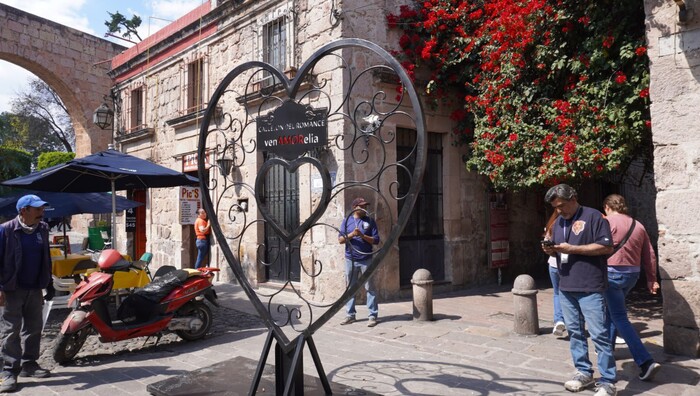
(232, 378)
(289, 367)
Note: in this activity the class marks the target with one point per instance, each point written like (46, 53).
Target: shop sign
(292, 129)
(190, 161)
(498, 231)
(317, 182)
(130, 220)
(190, 201)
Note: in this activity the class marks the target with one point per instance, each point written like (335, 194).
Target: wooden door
(140, 233)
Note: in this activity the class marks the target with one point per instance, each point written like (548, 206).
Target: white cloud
(65, 12)
(163, 12)
(11, 86)
(173, 9)
(76, 14)
(13, 78)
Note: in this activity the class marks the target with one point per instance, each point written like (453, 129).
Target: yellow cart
(65, 267)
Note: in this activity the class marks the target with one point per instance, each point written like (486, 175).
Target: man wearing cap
(25, 269)
(359, 232)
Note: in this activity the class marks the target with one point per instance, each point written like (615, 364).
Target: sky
(88, 16)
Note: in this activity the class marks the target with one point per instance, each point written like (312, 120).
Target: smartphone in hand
(547, 242)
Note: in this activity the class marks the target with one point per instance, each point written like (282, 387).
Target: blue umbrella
(66, 204)
(108, 170)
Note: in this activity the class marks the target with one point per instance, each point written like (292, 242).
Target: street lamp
(103, 116)
(226, 163)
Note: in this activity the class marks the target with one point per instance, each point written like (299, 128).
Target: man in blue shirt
(582, 242)
(25, 269)
(358, 232)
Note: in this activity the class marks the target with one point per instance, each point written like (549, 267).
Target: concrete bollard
(525, 300)
(422, 295)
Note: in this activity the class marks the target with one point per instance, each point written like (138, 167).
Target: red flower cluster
(495, 158)
(543, 84)
(620, 78)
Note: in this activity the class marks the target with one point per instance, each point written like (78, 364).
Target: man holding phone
(358, 232)
(581, 241)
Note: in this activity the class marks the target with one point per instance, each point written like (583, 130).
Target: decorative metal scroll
(335, 117)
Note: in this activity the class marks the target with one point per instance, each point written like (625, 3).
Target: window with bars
(427, 215)
(195, 86)
(274, 47)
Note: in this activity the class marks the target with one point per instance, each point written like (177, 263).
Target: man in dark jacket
(25, 269)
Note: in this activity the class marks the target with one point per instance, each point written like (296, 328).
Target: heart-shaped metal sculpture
(291, 167)
(291, 120)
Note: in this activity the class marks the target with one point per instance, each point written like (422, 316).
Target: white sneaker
(578, 382)
(605, 389)
(619, 341)
(559, 329)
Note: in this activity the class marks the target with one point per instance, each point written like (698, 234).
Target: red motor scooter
(172, 301)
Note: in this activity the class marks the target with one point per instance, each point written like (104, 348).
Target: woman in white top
(559, 329)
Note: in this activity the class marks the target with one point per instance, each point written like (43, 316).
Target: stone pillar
(673, 93)
(422, 295)
(526, 320)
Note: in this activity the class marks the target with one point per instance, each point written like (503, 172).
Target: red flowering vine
(544, 90)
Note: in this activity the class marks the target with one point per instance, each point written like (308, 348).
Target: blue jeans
(202, 251)
(351, 276)
(554, 277)
(592, 307)
(619, 285)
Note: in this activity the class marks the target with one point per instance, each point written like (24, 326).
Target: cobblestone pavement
(468, 349)
(225, 320)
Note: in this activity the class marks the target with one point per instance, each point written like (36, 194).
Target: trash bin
(95, 241)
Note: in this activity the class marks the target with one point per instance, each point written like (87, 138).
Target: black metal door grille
(282, 197)
(422, 243)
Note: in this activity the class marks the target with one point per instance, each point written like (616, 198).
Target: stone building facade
(159, 80)
(159, 114)
(163, 84)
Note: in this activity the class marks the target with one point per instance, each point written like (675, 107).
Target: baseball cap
(359, 201)
(30, 200)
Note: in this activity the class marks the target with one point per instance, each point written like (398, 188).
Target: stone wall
(674, 51)
(69, 61)
(234, 43)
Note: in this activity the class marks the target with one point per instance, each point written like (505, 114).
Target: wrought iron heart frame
(365, 117)
(292, 167)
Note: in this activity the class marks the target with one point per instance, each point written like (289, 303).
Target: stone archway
(73, 63)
